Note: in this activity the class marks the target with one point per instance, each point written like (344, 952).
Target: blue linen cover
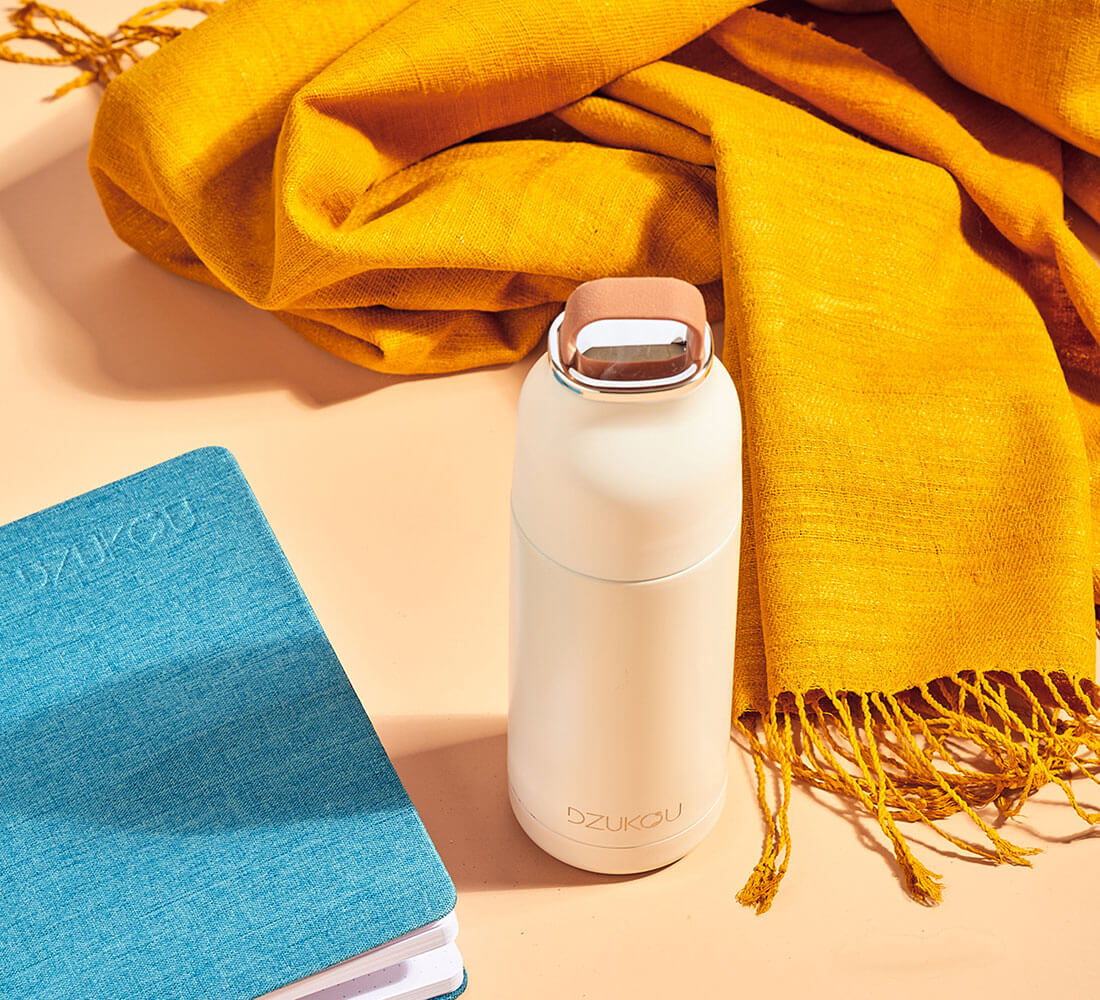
(193, 803)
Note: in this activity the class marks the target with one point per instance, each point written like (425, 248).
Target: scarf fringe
(103, 56)
(953, 746)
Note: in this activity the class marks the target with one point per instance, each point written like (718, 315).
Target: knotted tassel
(103, 57)
(906, 758)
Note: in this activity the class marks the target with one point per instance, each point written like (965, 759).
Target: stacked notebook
(193, 804)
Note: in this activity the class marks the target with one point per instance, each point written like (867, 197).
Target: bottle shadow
(240, 743)
(455, 771)
(169, 753)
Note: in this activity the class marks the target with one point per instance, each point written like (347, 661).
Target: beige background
(390, 499)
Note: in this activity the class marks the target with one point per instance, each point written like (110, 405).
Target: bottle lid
(632, 335)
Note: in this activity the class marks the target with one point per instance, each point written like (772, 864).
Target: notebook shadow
(149, 333)
(454, 768)
(208, 745)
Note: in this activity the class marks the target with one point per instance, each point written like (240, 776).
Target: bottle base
(616, 860)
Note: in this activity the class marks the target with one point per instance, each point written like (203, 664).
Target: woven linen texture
(873, 203)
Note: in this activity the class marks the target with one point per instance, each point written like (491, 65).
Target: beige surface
(390, 498)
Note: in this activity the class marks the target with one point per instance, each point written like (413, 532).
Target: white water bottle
(626, 514)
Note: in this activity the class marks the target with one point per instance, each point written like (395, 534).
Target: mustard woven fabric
(874, 204)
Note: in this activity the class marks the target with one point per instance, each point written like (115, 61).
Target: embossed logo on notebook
(77, 560)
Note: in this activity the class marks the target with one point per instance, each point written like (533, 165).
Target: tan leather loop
(633, 298)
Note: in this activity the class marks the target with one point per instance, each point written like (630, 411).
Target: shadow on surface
(455, 770)
(918, 835)
(863, 823)
(152, 334)
(179, 750)
(206, 745)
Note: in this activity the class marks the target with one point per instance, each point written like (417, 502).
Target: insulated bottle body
(619, 710)
(626, 506)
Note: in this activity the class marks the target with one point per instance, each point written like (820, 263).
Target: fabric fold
(874, 205)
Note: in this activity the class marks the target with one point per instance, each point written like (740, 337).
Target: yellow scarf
(874, 203)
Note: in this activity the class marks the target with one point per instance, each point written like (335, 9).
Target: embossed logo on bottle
(77, 560)
(622, 823)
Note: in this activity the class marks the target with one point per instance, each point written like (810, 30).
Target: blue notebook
(193, 803)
